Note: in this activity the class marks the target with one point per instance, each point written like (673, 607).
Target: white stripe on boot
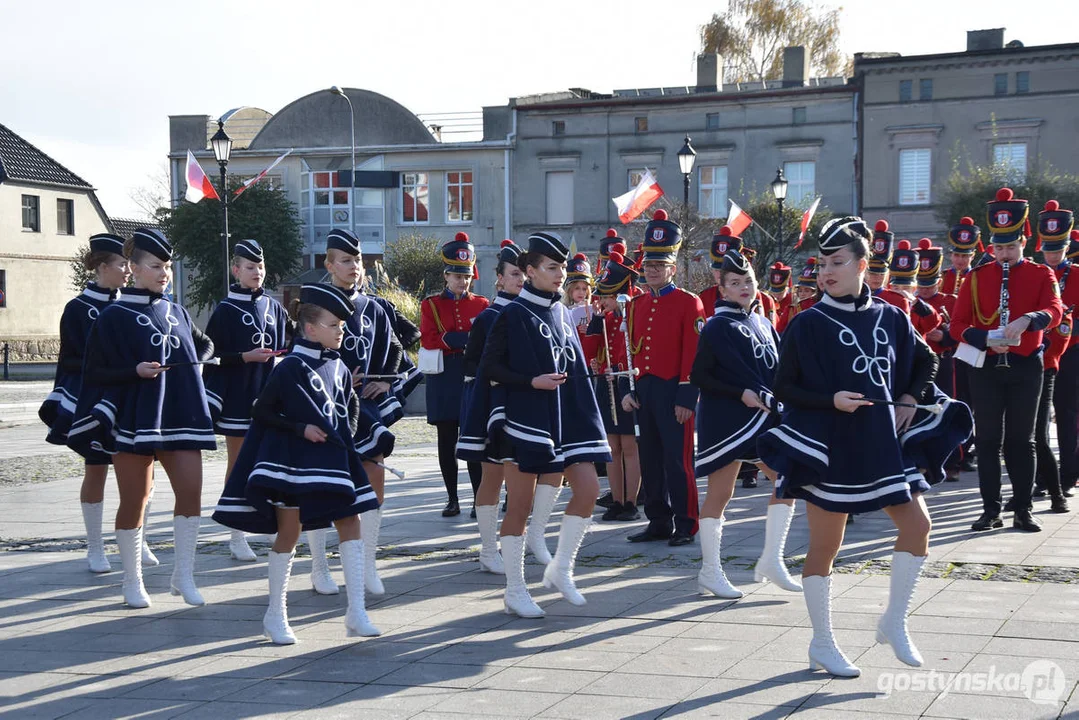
(517, 600)
(275, 622)
(356, 620)
(823, 651)
(370, 526)
(559, 572)
(490, 559)
(542, 507)
(239, 549)
(711, 578)
(185, 532)
(95, 544)
(892, 628)
(770, 565)
(321, 580)
(148, 557)
(129, 542)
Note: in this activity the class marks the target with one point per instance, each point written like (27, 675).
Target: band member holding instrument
(1003, 309)
(964, 238)
(1066, 394)
(779, 287)
(902, 276)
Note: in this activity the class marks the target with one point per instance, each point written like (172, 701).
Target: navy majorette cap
(965, 237)
(808, 277)
(249, 250)
(1054, 227)
(1008, 217)
(549, 245)
(779, 277)
(578, 268)
(735, 263)
(881, 246)
(509, 251)
(153, 242)
(662, 238)
(903, 268)
(107, 242)
(838, 233)
(930, 262)
(343, 240)
(723, 242)
(459, 256)
(328, 297)
(616, 277)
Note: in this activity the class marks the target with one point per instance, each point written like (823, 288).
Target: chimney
(709, 72)
(436, 130)
(985, 39)
(795, 66)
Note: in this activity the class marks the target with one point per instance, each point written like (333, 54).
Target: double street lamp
(779, 191)
(222, 146)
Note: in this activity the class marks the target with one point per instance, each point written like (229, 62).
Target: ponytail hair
(302, 313)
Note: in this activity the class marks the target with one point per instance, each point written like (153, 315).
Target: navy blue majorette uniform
(371, 347)
(737, 350)
(480, 393)
(854, 462)
(277, 466)
(408, 335)
(118, 411)
(245, 320)
(546, 430)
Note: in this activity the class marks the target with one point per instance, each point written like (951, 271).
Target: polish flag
(198, 185)
(738, 220)
(805, 223)
(252, 181)
(637, 200)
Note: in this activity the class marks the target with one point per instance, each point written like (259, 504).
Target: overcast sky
(93, 84)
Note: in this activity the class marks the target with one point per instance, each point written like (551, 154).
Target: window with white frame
(31, 213)
(560, 198)
(801, 182)
(1012, 156)
(914, 176)
(65, 216)
(459, 196)
(712, 191)
(415, 197)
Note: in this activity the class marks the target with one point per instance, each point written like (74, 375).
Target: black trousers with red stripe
(666, 449)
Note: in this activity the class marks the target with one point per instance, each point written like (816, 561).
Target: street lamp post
(352, 171)
(686, 157)
(779, 191)
(222, 146)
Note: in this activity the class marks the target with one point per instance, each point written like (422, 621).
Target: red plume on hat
(616, 257)
(505, 243)
(660, 214)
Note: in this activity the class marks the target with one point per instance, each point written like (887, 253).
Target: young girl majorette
(509, 282)
(543, 413)
(299, 465)
(248, 328)
(624, 470)
(142, 398)
(106, 260)
(734, 369)
(841, 452)
(445, 321)
(370, 348)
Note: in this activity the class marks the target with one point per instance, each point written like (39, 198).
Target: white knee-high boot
(517, 600)
(186, 534)
(823, 651)
(356, 620)
(95, 544)
(770, 565)
(370, 526)
(711, 578)
(148, 557)
(239, 549)
(559, 572)
(892, 628)
(275, 622)
(129, 542)
(487, 519)
(542, 507)
(321, 580)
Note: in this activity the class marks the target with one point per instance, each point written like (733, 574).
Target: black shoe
(606, 501)
(1010, 505)
(987, 522)
(648, 535)
(1023, 520)
(968, 465)
(628, 513)
(452, 509)
(749, 481)
(680, 538)
(612, 513)
(472, 514)
(1059, 505)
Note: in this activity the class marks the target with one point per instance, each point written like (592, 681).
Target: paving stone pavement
(995, 619)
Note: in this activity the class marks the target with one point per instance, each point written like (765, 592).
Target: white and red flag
(198, 185)
(805, 223)
(637, 200)
(738, 219)
(261, 175)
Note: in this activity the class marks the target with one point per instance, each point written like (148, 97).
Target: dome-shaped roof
(321, 120)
